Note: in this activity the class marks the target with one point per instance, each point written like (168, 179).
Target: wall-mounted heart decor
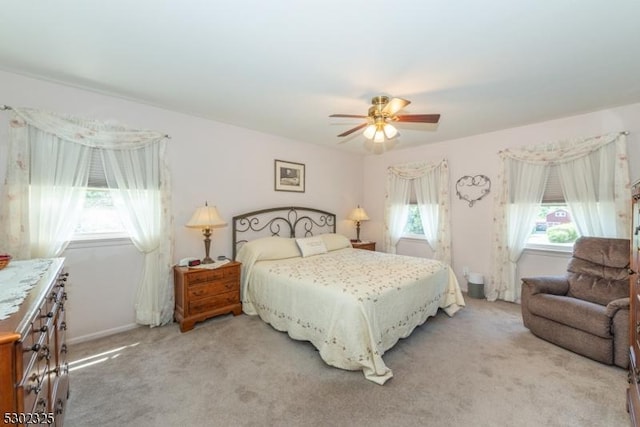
(473, 188)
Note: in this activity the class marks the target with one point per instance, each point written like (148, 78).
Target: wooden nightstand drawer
(214, 302)
(204, 276)
(212, 288)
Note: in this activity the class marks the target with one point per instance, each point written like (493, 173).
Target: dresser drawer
(214, 302)
(211, 275)
(211, 289)
(34, 384)
(35, 354)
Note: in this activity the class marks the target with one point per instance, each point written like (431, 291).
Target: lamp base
(207, 245)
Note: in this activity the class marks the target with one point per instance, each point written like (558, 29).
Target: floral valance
(86, 132)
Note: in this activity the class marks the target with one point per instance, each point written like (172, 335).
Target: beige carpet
(479, 368)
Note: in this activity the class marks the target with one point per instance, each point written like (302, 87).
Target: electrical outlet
(465, 271)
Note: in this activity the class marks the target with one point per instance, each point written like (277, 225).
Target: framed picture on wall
(289, 176)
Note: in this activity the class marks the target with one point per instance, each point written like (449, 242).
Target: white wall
(472, 227)
(233, 169)
(225, 165)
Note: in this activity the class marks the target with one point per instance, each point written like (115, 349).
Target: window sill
(414, 237)
(556, 250)
(99, 240)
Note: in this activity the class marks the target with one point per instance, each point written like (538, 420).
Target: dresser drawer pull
(49, 315)
(34, 348)
(63, 348)
(59, 406)
(63, 326)
(42, 402)
(34, 387)
(44, 328)
(44, 353)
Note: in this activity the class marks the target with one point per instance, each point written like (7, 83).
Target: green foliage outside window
(563, 233)
(414, 223)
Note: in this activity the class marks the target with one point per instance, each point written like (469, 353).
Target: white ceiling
(283, 66)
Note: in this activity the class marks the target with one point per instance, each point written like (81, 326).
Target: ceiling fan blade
(395, 105)
(348, 115)
(418, 118)
(350, 131)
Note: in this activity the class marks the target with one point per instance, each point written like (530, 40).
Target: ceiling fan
(383, 111)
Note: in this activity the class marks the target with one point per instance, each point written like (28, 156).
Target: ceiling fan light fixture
(379, 136)
(370, 131)
(377, 131)
(390, 131)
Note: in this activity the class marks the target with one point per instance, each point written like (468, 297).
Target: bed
(301, 277)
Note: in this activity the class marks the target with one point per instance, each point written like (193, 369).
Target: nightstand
(369, 246)
(203, 293)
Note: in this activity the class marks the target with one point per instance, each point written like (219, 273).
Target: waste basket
(475, 285)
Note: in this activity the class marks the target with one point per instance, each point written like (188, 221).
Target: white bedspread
(351, 304)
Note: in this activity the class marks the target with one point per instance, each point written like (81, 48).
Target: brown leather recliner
(587, 310)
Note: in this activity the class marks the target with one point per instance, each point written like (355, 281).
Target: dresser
(633, 392)
(202, 293)
(34, 371)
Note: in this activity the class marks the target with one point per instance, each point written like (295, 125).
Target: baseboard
(101, 334)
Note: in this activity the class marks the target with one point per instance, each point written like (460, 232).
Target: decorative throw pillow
(311, 246)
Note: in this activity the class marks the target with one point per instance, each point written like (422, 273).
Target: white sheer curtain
(594, 175)
(135, 178)
(396, 210)
(44, 188)
(27, 235)
(431, 184)
(590, 186)
(520, 196)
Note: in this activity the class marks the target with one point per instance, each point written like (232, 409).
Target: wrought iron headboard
(291, 221)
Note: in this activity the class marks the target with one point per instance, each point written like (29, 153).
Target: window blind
(553, 190)
(97, 177)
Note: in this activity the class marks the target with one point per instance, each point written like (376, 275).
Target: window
(413, 228)
(554, 227)
(99, 218)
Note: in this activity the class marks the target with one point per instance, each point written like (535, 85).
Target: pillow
(311, 246)
(335, 241)
(270, 248)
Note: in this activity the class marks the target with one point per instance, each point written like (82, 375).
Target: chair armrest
(617, 304)
(555, 285)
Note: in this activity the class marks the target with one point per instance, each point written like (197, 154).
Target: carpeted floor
(479, 368)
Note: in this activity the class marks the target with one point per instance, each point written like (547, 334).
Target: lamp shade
(358, 214)
(206, 217)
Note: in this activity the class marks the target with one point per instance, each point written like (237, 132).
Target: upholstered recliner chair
(587, 310)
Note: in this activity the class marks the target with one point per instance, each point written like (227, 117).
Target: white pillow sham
(270, 248)
(311, 246)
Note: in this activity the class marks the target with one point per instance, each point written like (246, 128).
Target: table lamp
(206, 217)
(357, 215)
